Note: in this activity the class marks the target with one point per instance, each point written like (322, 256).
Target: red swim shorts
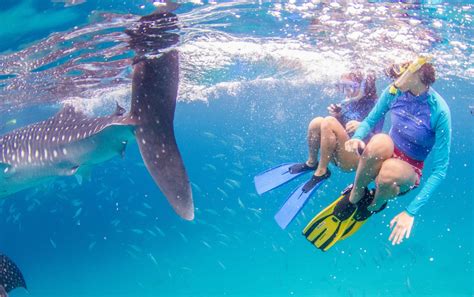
(417, 165)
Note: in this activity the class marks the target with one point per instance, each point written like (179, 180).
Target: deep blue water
(115, 235)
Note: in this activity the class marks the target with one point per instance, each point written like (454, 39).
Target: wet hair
(370, 91)
(427, 74)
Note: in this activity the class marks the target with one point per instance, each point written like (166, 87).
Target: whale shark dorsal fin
(69, 112)
(119, 110)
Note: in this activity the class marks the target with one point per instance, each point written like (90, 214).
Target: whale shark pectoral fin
(154, 92)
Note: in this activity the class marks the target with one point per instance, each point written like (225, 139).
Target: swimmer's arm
(441, 161)
(379, 126)
(377, 113)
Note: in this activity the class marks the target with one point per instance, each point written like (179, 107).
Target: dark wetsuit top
(358, 111)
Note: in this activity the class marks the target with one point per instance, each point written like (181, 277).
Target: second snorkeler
(326, 137)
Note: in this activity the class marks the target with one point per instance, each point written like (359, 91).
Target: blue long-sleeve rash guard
(439, 118)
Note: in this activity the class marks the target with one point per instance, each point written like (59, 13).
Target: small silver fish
(52, 243)
(221, 265)
(150, 255)
(78, 212)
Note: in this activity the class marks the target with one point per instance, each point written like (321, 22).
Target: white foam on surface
(311, 44)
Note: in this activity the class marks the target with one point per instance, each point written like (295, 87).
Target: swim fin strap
(338, 221)
(276, 177)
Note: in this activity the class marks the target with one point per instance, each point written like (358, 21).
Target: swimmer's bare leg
(379, 149)
(314, 141)
(395, 176)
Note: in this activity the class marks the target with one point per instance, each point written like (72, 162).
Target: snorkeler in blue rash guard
(420, 118)
(329, 134)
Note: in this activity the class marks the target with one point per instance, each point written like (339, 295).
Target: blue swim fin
(296, 201)
(275, 177)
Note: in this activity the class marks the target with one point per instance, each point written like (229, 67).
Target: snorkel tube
(404, 70)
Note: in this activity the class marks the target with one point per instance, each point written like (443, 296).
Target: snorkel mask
(394, 71)
(405, 72)
(352, 90)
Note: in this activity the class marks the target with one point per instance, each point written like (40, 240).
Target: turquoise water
(252, 77)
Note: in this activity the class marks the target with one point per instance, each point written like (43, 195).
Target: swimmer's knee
(380, 147)
(330, 120)
(328, 123)
(381, 139)
(315, 123)
(387, 186)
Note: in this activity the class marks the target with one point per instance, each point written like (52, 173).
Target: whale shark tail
(154, 92)
(10, 276)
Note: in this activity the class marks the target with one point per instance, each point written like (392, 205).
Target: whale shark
(70, 142)
(10, 276)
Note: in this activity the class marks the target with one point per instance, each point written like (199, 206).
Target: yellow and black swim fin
(339, 220)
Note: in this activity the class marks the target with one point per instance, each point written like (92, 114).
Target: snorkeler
(327, 136)
(420, 118)
(10, 276)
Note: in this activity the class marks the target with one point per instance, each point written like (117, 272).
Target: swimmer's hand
(401, 226)
(355, 146)
(334, 109)
(351, 126)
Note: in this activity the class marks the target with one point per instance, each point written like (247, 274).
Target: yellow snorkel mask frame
(412, 68)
